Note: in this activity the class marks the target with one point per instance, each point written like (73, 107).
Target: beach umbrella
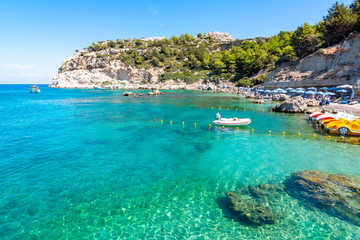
(289, 89)
(279, 89)
(309, 92)
(312, 88)
(267, 91)
(261, 90)
(333, 88)
(300, 91)
(283, 91)
(329, 93)
(342, 91)
(324, 88)
(345, 86)
(319, 93)
(274, 91)
(352, 94)
(293, 91)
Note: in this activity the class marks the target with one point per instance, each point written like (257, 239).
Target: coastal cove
(93, 164)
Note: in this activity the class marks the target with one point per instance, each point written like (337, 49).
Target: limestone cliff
(336, 65)
(86, 69)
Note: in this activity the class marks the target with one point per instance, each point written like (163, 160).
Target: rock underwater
(249, 210)
(265, 190)
(334, 194)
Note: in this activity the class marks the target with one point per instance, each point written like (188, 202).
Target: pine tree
(338, 24)
(306, 40)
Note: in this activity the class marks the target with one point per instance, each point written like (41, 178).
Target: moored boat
(34, 89)
(233, 122)
(99, 88)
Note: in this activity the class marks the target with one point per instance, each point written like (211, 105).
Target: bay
(93, 164)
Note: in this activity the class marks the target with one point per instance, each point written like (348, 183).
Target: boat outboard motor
(218, 116)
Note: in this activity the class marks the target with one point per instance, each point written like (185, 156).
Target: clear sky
(37, 35)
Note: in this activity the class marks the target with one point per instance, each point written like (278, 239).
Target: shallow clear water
(92, 164)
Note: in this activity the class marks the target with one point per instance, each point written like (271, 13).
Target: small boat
(34, 89)
(234, 122)
(126, 93)
(99, 88)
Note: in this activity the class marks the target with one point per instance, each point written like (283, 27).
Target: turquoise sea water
(92, 164)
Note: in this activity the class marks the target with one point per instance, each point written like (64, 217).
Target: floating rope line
(237, 109)
(286, 134)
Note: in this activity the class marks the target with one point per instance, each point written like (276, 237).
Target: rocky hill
(213, 58)
(336, 65)
(139, 60)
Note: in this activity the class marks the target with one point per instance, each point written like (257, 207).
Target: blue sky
(37, 35)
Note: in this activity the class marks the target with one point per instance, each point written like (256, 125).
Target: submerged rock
(265, 190)
(293, 105)
(249, 210)
(335, 194)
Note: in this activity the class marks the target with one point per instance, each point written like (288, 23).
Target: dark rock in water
(250, 96)
(265, 190)
(259, 101)
(250, 210)
(335, 194)
(293, 105)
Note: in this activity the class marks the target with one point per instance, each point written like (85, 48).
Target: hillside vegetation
(206, 57)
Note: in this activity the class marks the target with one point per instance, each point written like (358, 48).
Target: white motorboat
(99, 88)
(34, 89)
(234, 122)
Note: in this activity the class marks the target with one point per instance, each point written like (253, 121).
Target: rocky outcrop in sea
(292, 105)
(280, 97)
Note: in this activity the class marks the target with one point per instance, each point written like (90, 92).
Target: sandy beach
(353, 108)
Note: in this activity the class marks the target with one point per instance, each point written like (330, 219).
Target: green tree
(306, 40)
(245, 82)
(194, 62)
(165, 50)
(229, 60)
(155, 61)
(111, 44)
(337, 24)
(139, 60)
(355, 8)
(216, 64)
(138, 42)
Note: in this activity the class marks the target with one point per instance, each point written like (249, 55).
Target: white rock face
(152, 38)
(224, 37)
(336, 65)
(88, 70)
